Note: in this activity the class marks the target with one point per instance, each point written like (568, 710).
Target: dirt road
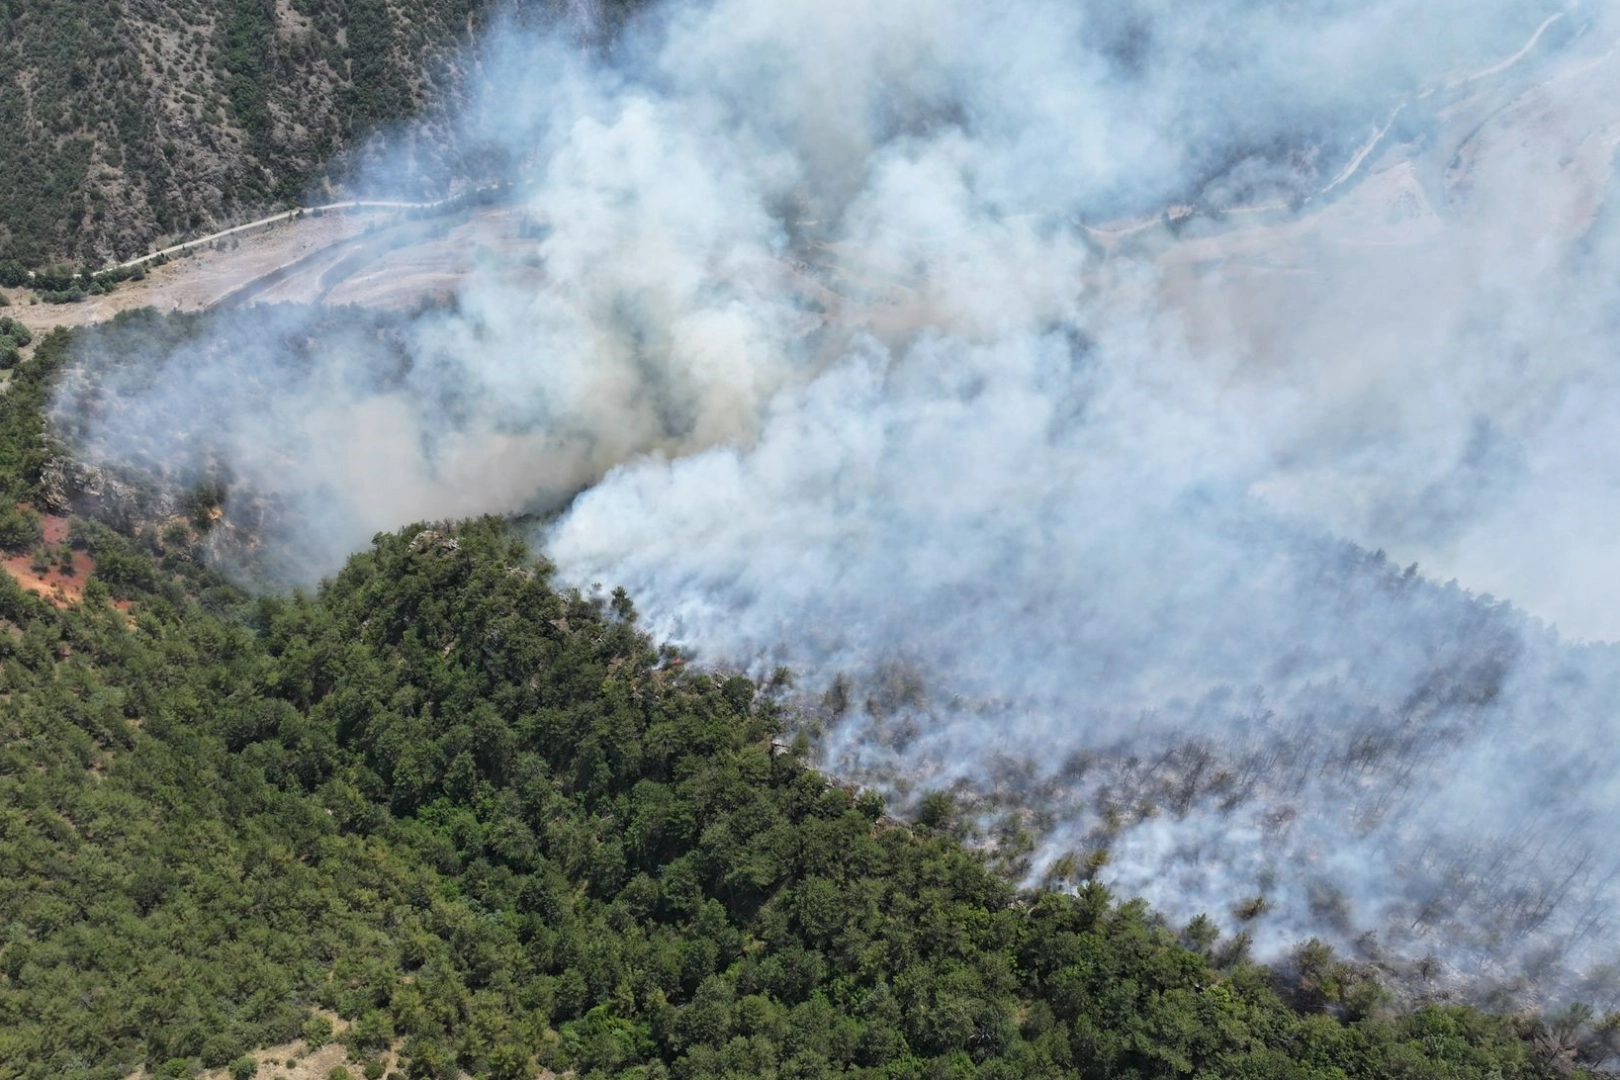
(295, 214)
(383, 257)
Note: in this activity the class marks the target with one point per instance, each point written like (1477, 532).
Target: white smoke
(1049, 370)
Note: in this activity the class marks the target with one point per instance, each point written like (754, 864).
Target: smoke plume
(1043, 383)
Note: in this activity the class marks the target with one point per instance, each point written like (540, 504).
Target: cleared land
(377, 258)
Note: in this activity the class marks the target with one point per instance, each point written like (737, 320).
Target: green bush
(218, 1050)
(19, 528)
(317, 1031)
(15, 331)
(243, 1068)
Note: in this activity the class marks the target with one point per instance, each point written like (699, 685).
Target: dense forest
(463, 819)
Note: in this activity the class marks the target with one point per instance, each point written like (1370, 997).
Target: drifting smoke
(842, 325)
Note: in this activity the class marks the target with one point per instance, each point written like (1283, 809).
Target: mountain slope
(466, 811)
(492, 827)
(126, 121)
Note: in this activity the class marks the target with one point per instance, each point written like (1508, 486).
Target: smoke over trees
(1057, 375)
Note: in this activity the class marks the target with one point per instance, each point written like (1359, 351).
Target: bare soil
(374, 258)
(298, 1060)
(199, 280)
(55, 586)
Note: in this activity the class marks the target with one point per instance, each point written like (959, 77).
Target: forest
(493, 828)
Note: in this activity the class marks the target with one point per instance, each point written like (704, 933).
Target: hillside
(122, 123)
(465, 820)
(1035, 383)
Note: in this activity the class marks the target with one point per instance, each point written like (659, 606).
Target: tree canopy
(487, 822)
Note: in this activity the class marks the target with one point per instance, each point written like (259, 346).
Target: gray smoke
(1037, 381)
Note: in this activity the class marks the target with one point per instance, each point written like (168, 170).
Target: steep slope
(126, 121)
(493, 827)
(461, 809)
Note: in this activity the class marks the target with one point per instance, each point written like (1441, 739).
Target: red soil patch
(55, 528)
(53, 585)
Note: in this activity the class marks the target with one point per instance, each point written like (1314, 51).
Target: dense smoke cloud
(1048, 371)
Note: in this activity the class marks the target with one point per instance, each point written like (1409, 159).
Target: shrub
(19, 528)
(317, 1031)
(243, 1068)
(220, 1049)
(15, 331)
(372, 1031)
